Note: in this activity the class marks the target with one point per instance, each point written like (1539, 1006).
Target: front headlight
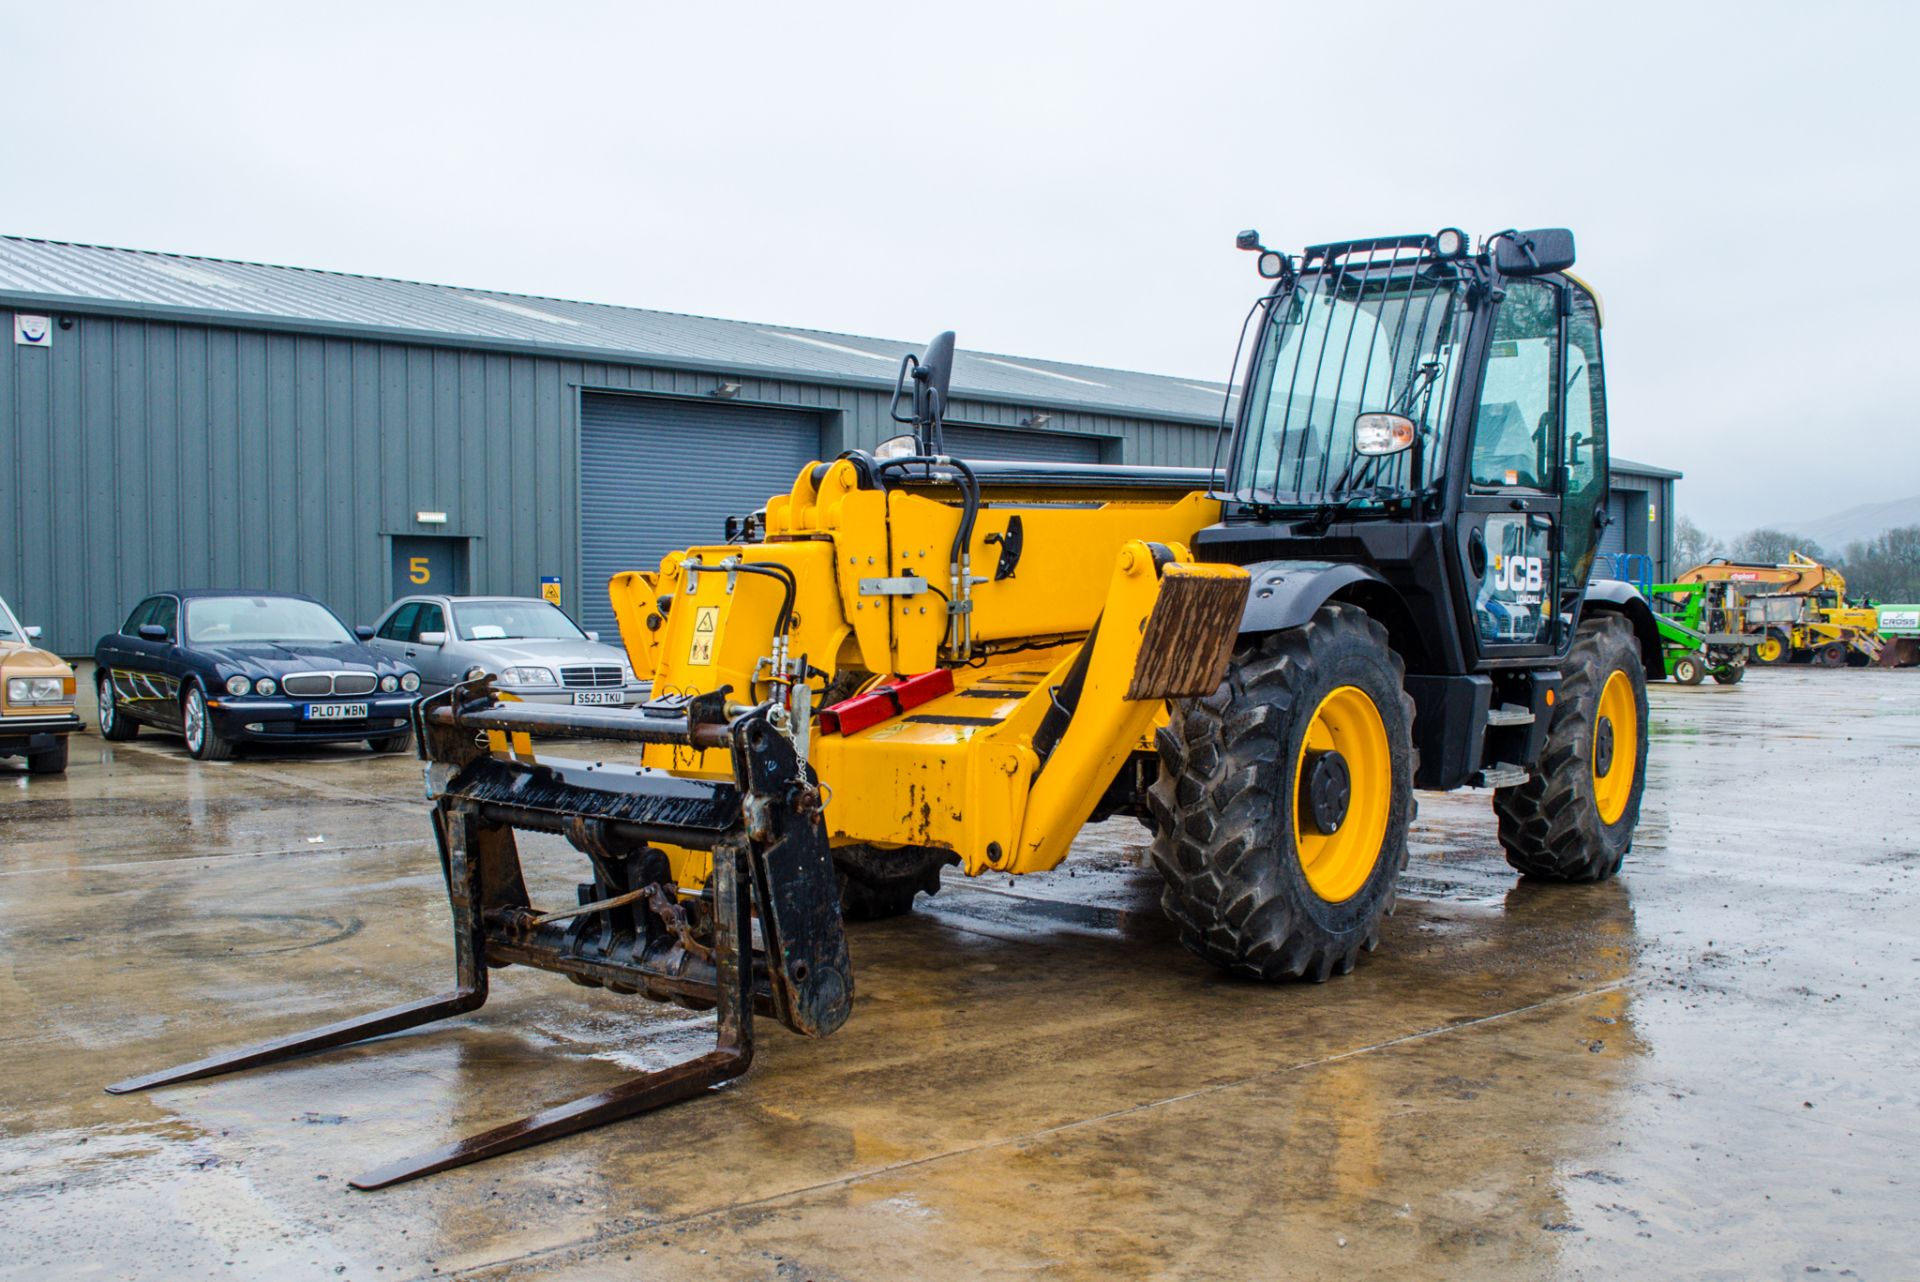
(238, 686)
(627, 673)
(37, 690)
(410, 682)
(389, 684)
(527, 677)
(266, 686)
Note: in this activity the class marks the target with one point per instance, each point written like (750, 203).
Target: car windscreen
(513, 621)
(222, 620)
(9, 626)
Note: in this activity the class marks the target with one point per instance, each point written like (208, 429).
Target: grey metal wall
(144, 453)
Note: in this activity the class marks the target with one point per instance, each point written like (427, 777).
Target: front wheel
(1688, 670)
(1774, 648)
(49, 761)
(1573, 819)
(1283, 801)
(115, 726)
(204, 739)
(877, 883)
(1731, 674)
(1831, 655)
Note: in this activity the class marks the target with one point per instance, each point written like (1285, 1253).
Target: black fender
(1616, 596)
(1285, 594)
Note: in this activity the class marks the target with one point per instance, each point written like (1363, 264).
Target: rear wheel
(1831, 655)
(204, 739)
(1283, 801)
(1773, 648)
(114, 726)
(1730, 674)
(49, 761)
(1573, 820)
(1688, 670)
(876, 883)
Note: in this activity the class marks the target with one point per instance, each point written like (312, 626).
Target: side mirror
(1533, 253)
(364, 632)
(431, 638)
(930, 381)
(152, 632)
(33, 632)
(593, 636)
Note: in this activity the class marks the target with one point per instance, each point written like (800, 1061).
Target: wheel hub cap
(1328, 792)
(1603, 746)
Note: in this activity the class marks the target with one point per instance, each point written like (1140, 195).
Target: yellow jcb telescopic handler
(910, 661)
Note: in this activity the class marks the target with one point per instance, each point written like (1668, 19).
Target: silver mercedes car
(529, 645)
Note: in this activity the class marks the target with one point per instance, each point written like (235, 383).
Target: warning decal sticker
(706, 621)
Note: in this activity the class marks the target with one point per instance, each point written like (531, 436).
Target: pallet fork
(629, 933)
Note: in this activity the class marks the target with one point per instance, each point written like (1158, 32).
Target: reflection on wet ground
(1705, 1069)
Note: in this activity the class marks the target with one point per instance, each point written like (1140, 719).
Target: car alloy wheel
(107, 714)
(194, 717)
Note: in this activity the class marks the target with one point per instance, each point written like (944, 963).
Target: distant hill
(1857, 524)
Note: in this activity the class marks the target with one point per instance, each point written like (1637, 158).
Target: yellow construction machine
(1799, 610)
(910, 661)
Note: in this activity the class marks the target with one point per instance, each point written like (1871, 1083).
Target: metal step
(1502, 774)
(1510, 714)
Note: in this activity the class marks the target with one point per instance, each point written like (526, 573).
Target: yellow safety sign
(705, 622)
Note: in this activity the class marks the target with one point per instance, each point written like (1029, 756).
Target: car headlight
(527, 677)
(627, 674)
(237, 686)
(266, 686)
(388, 684)
(410, 682)
(37, 690)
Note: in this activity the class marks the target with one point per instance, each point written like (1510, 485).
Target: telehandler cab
(912, 660)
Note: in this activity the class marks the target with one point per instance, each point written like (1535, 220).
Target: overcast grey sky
(1052, 180)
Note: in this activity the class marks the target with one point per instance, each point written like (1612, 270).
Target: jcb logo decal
(1518, 573)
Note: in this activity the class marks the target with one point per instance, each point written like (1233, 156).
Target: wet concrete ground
(1707, 1068)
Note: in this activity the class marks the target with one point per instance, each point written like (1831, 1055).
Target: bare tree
(1692, 545)
(1768, 546)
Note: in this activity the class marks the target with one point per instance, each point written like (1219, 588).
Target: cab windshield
(1339, 344)
(219, 620)
(514, 621)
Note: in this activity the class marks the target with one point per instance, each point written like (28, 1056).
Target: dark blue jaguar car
(225, 668)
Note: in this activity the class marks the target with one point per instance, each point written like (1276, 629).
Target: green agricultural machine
(1700, 633)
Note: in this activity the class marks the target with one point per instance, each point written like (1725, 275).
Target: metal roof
(1628, 467)
(57, 276)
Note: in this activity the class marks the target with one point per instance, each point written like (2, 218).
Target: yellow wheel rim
(1338, 863)
(1767, 651)
(1616, 745)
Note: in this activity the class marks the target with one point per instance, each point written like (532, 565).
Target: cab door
(1508, 532)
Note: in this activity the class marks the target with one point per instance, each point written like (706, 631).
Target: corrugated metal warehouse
(187, 421)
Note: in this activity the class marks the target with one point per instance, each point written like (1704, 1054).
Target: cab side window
(1513, 437)
(166, 613)
(430, 619)
(399, 624)
(142, 613)
(1585, 442)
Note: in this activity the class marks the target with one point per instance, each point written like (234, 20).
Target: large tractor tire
(1774, 649)
(1573, 819)
(1282, 806)
(876, 883)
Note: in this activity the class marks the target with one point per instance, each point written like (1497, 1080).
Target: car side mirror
(593, 636)
(152, 632)
(33, 632)
(364, 632)
(431, 638)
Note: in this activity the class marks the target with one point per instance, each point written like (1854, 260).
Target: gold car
(36, 699)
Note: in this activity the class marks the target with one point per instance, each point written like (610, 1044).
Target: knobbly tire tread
(1234, 884)
(1550, 825)
(876, 884)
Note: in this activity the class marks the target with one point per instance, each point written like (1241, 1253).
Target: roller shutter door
(1029, 447)
(657, 475)
(1613, 539)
